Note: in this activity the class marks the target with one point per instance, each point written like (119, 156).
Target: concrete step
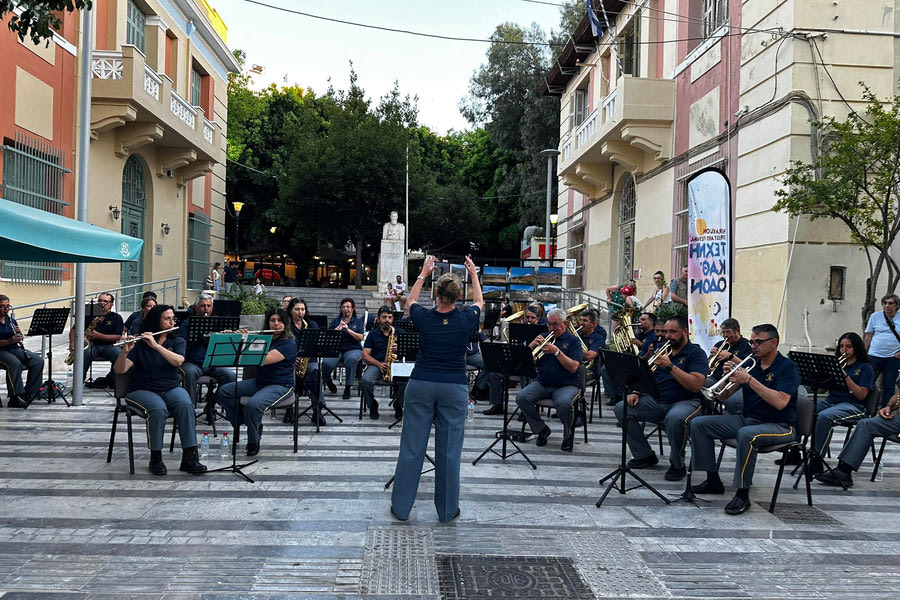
(323, 301)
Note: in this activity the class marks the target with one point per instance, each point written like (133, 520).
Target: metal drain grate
(520, 578)
(803, 514)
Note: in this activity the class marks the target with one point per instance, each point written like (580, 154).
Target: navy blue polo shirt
(863, 375)
(691, 359)
(296, 332)
(6, 329)
(111, 324)
(551, 372)
(347, 341)
(782, 375)
(195, 353)
(282, 372)
(376, 341)
(130, 321)
(596, 341)
(443, 338)
(741, 350)
(151, 371)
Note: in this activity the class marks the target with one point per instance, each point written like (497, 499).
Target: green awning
(30, 234)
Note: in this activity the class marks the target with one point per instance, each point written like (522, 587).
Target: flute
(255, 331)
(130, 339)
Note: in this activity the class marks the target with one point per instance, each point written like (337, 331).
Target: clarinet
(17, 331)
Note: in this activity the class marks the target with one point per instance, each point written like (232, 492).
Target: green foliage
(38, 19)
(855, 181)
(671, 309)
(251, 302)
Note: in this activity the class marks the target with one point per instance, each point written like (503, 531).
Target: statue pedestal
(391, 262)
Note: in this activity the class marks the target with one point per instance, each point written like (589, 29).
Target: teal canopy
(30, 234)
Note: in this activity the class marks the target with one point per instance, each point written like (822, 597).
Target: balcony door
(627, 205)
(134, 206)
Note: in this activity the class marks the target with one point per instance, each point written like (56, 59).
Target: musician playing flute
(15, 359)
(738, 348)
(155, 387)
(374, 354)
(768, 417)
(195, 354)
(107, 332)
(679, 378)
(557, 379)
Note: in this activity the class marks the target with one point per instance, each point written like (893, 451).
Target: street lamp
(238, 206)
(554, 219)
(549, 154)
(272, 230)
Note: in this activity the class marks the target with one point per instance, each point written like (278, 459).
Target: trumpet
(723, 385)
(133, 338)
(664, 349)
(538, 352)
(714, 360)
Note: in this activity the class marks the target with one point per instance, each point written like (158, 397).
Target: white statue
(393, 230)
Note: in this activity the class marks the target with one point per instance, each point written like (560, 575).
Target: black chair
(289, 401)
(849, 423)
(891, 438)
(579, 405)
(123, 405)
(806, 419)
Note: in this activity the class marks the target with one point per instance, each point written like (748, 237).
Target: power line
(234, 162)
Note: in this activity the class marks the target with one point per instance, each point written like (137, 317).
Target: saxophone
(302, 364)
(70, 359)
(389, 356)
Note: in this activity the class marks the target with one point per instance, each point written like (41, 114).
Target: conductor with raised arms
(437, 392)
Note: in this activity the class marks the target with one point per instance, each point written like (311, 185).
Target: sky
(310, 51)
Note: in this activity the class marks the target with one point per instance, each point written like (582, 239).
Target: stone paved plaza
(316, 524)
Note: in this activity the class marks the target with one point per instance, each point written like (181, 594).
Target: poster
(709, 257)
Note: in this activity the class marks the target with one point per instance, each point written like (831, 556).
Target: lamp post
(272, 230)
(238, 206)
(549, 154)
(554, 219)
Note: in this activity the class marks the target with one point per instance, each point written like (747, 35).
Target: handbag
(893, 328)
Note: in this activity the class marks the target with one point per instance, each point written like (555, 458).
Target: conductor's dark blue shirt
(782, 375)
(376, 341)
(741, 350)
(282, 372)
(863, 375)
(347, 341)
(691, 359)
(443, 338)
(151, 371)
(550, 370)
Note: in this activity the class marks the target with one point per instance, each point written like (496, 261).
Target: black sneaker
(675, 473)
(330, 385)
(707, 487)
(252, 449)
(346, 395)
(288, 415)
(493, 410)
(373, 412)
(568, 443)
(643, 463)
(158, 467)
(835, 477)
(737, 506)
(16, 402)
(190, 462)
(542, 436)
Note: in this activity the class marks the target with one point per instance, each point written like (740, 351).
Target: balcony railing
(609, 106)
(182, 109)
(208, 130)
(586, 130)
(107, 64)
(152, 81)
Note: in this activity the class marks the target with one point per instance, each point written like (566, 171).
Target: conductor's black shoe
(373, 412)
(330, 385)
(346, 395)
(190, 462)
(542, 436)
(835, 477)
(643, 463)
(395, 515)
(737, 506)
(707, 487)
(252, 449)
(493, 410)
(791, 457)
(675, 473)
(16, 402)
(158, 467)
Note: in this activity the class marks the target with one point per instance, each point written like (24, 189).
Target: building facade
(722, 86)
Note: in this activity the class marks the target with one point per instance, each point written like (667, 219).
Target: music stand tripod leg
(504, 434)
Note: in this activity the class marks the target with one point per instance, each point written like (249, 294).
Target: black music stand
(236, 350)
(407, 350)
(328, 344)
(507, 359)
(198, 333)
(50, 322)
(818, 371)
(491, 318)
(226, 308)
(180, 316)
(628, 372)
(524, 333)
(307, 347)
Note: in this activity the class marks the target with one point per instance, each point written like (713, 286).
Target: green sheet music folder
(236, 350)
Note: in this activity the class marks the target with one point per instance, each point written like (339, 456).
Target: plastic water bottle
(879, 473)
(204, 445)
(470, 413)
(69, 377)
(225, 447)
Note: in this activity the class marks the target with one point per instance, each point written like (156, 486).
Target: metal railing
(569, 298)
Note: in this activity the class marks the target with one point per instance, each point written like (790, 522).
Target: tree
(855, 180)
(38, 19)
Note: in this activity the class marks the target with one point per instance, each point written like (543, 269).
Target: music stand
(307, 345)
(236, 350)
(321, 320)
(507, 359)
(524, 333)
(818, 371)
(628, 372)
(49, 322)
(328, 345)
(180, 316)
(226, 308)
(491, 318)
(407, 350)
(199, 330)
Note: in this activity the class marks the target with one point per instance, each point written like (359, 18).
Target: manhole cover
(523, 578)
(803, 514)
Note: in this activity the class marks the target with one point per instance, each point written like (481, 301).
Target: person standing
(212, 280)
(436, 393)
(15, 359)
(230, 276)
(678, 288)
(883, 345)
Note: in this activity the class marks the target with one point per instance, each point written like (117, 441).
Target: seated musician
(679, 377)
(130, 327)
(644, 337)
(273, 383)
(195, 354)
(557, 379)
(297, 312)
(155, 387)
(768, 417)
(653, 342)
(374, 355)
(738, 348)
(534, 315)
(107, 330)
(352, 330)
(594, 337)
(15, 359)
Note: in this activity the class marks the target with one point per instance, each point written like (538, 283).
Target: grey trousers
(562, 399)
(863, 434)
(675, 417)
(15, 360)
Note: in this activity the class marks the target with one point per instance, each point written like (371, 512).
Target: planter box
(252, 322)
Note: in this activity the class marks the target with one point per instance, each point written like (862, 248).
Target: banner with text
(709, 256)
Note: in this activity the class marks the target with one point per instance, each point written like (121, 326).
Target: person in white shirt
(882, 341)
(400, 292)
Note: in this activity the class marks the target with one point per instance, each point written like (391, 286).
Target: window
(630, 47)
(627, 205)
(196, 87)
(579, 108)
(680, 232)
(33, 175)
(198, 250)
(135, 27)
(715, 13)
(575, 250)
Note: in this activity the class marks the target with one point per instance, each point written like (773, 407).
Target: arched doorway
(627, 204)
(134, 206)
